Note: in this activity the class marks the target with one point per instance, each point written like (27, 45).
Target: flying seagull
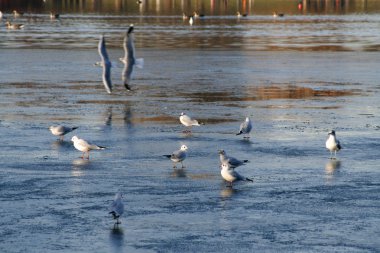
(129, 59)
(106, 64)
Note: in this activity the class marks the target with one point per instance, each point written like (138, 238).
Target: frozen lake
(296, 78)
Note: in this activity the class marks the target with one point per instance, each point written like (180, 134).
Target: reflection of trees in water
(177, 7)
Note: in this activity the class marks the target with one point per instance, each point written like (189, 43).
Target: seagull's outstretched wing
(106, 64)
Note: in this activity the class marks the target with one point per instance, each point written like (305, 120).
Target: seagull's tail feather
(249, 179)
(239, 133)
(245, 161)
(168, 156)
(139, 63)
(73, 128)
(127, 86)
(339, 146)
(101, 147)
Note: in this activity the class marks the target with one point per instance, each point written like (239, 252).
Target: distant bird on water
(54, 15)
(239, 15)
(1, 15)
(129, 59)
(14, 26)
(332, 144)
(245, 128)
(61, 130)
(275, 14)
(84, 146)
(117, 208)
(106, 64)
(230, 175)
(17, 14)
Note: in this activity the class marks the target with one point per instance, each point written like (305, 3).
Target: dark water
(296, 77)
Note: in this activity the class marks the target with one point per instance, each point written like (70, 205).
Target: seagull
(61, 130)
(54, 15)
(245, 127)
(239, 15)
(106, 64)
(333, 144)
(17, 14)
(275, 14)
(117, 207)
(14, 26)
(129, 58)
(196, 15)
(230, 175)
(187, 121)
(178, 156)
(84, 146)
(1, 14)
(191, 20)
(231, 161)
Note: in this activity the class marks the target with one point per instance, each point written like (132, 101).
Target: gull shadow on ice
(117, 238)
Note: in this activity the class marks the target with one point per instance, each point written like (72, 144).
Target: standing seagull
(178, 156)
(106, 64)
(245, 127)
(231, 161)
(333, 144)
(188, 122)
(84, 146)
(230, 175)
(61, 130)
(117, 208)
(129, 59)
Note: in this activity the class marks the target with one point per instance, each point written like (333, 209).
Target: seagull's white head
(183, 147)
(221, 152)
(332, 132)
(182, 113)
(74, 138)
(247, 119)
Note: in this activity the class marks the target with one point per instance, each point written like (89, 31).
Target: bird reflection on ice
(79, 165)
(331, 168)
(227, 192)
(117, 239)
(178, 173)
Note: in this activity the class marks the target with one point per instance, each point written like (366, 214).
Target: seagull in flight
(129, 59)
(106, 64)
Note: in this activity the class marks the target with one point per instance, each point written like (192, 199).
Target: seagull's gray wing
(178, 155)
(235, 162)
(106, 65)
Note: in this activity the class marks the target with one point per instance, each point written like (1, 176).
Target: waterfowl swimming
(241, 15)
(14, 26)
(54, 15)
(275, 14)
